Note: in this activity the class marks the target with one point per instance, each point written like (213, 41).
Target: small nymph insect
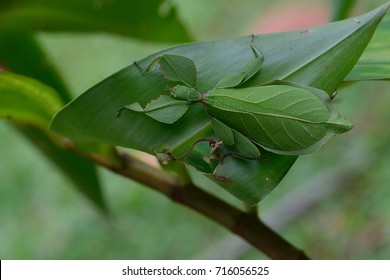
(283, 118)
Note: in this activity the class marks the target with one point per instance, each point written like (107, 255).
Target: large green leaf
(152, 20)
(374, 64)
(27, 100)
(31, 105)
(320, 57)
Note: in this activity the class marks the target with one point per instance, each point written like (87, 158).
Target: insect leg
(230, 136)
(189, 150)
(255, 48)
(139, 67)
(250, 69)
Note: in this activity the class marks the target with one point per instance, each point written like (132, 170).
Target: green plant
(313, 62)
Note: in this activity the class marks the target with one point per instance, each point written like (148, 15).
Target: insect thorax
(181, 92)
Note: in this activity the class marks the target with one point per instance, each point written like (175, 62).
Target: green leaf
(32, 105)
(21, 54)
(320, 57)
(374, 64)
(27, 100)
(154, 20)
(270, 170)
(341, 9)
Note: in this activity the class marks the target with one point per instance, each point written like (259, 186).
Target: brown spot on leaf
(221, 178)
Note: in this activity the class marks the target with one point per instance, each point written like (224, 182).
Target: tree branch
(245, 224)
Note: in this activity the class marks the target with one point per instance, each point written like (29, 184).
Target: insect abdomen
(281, 118)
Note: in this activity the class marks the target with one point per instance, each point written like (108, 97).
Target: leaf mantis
(281, 117)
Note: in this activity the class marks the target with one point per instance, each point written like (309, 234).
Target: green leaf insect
(281, 117)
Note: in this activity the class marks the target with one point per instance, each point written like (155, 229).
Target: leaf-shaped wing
(280, 118)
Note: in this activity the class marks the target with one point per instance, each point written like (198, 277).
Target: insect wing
(336, 122)
(280, 118)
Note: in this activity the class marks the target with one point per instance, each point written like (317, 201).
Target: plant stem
(245, 224)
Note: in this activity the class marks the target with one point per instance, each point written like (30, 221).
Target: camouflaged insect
(283, 118)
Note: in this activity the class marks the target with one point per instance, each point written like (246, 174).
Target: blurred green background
(333, 204)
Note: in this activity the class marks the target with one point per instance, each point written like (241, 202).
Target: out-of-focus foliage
(341, 9)
(27, 100)
(375, 62)
(31, 105)
(20, 53)
(153, 20)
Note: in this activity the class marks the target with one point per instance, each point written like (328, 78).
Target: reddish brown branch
(246, 225)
